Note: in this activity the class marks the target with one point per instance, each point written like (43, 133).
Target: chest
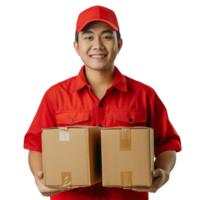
(114, 108)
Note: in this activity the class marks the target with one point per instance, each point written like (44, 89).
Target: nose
(98, 44)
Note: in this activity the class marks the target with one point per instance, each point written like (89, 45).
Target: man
(101, 96)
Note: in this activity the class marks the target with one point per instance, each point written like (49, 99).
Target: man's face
(97, 45)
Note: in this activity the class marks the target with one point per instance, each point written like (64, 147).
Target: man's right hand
(46, 191)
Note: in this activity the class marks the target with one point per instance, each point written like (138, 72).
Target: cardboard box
(71, 156)
(127, 156)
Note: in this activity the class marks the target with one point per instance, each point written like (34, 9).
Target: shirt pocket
(72, 118)
(129, 118)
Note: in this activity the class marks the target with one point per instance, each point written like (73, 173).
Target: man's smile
(98, 56)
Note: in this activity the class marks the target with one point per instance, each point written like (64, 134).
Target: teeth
(98, 56)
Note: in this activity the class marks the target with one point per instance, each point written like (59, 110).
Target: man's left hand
(160, 177)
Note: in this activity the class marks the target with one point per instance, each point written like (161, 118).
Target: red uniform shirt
(71, 102)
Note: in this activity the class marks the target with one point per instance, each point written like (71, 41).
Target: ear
(75, 48)
(120, 44)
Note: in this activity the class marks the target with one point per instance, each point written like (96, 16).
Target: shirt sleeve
(44, 118)
(165, 136)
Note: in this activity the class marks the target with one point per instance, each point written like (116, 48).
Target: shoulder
(63, 86)
(138, 86)
(144, 91)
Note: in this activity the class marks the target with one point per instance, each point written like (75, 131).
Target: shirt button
(100, 125)
(101, 105)
(130, 119)
(71, 120)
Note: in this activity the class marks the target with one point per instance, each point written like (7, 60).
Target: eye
(88, 37)
(107, 37)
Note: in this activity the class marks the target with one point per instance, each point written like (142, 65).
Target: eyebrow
(106, 31)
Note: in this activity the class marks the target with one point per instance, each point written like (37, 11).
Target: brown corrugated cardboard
(71, 156)
(127, 156)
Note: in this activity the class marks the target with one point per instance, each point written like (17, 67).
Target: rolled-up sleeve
(44, 118)
(165, 136)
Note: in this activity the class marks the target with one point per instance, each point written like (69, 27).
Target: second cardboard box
(127, 156)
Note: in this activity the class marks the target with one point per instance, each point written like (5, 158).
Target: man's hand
(45, 191)
(160, 177)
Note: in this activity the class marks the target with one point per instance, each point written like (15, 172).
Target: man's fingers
(157, 173)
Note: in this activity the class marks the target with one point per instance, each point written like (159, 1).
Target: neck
(99, 78)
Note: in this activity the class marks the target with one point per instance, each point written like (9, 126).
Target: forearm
(35, 161)
(166, 160)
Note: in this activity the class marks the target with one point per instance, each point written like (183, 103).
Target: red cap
(97, 13)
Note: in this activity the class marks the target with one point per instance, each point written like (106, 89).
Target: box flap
(121, 127)
(77, 126)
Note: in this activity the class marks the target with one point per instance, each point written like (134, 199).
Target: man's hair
(118, 36)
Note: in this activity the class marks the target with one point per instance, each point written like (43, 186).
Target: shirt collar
(119, 81)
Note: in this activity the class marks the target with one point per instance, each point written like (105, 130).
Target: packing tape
(125, 139)
(66, 180)
(63, 134)
(126, 179)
